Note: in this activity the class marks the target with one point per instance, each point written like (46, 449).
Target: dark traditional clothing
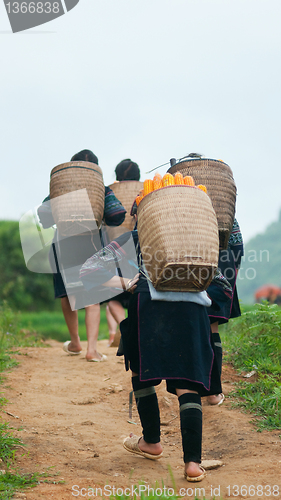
(114, 215)
(161, 340)
(229, 263)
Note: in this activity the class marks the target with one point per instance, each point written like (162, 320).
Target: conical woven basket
(217, 176)
(178, 234)
(126, 192)
(71, 213)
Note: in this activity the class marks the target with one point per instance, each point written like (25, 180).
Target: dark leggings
(190, 418)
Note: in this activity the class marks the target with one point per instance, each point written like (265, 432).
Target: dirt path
(74, 417)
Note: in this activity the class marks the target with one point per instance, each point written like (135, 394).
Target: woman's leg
(191, 430)
(148, 409)
(118, 314)
(92, 321)
(117, 310)
(112, 325)
(71, 319)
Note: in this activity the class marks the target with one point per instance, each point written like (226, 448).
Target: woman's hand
(132, 284)
(123, 283)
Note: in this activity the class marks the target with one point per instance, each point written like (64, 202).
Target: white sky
(149, 80)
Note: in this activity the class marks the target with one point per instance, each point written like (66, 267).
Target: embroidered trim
(190, 406)
(142, 393)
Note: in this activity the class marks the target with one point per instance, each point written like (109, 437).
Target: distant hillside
(262, 262)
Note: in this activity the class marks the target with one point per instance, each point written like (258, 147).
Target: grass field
(253, 343)
(51, 324)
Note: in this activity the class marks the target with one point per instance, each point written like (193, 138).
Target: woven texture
(126, 192)
(178, 234)
(217, 176)
(71, 211)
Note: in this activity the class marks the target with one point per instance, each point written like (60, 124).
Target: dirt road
(74, 416)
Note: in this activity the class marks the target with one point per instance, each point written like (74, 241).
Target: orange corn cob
(147, 186)
(157, 182)
(141, 194)
(138, 200)
(188, 180)
(168, 180)
(178, 178)
(203, 188)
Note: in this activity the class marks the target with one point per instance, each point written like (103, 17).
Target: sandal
(195, 479)
(95, 360)
(220, 401)
(65, 348)
(131, 444)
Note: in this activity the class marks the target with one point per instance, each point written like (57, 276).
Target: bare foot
(111, 339)
(94, 355)
(215, 399)
(193, 469)
(152, 448)
(74, 346)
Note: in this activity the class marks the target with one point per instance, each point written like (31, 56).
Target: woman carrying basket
(162, 341)
(114, 215)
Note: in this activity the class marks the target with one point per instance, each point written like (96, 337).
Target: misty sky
(149, 80)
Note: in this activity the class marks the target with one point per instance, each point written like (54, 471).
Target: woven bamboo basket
(217, 176)
(126, 192)
(76, 211)
(178, 234)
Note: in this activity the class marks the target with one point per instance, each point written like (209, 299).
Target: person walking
(163, 340)
(114, 214)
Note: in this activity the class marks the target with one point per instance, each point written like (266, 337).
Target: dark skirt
(170, 341)
(123, 298)
(230, 309)
(73, 251)
(59, 287)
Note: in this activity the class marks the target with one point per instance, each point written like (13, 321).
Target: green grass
(253, 342)
(52, 324)
(11, 482)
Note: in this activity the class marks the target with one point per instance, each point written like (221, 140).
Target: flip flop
(65, 348)
(195, 479)
(220, 402)
(94, 360)
(131, 444)
(222, 399)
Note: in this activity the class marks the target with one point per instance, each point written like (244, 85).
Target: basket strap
(86, 168)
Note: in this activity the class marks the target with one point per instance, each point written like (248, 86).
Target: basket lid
(77, 165)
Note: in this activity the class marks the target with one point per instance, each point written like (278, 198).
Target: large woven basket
(126, 192)
(76, 211)
(217, 176)
(178, 234)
